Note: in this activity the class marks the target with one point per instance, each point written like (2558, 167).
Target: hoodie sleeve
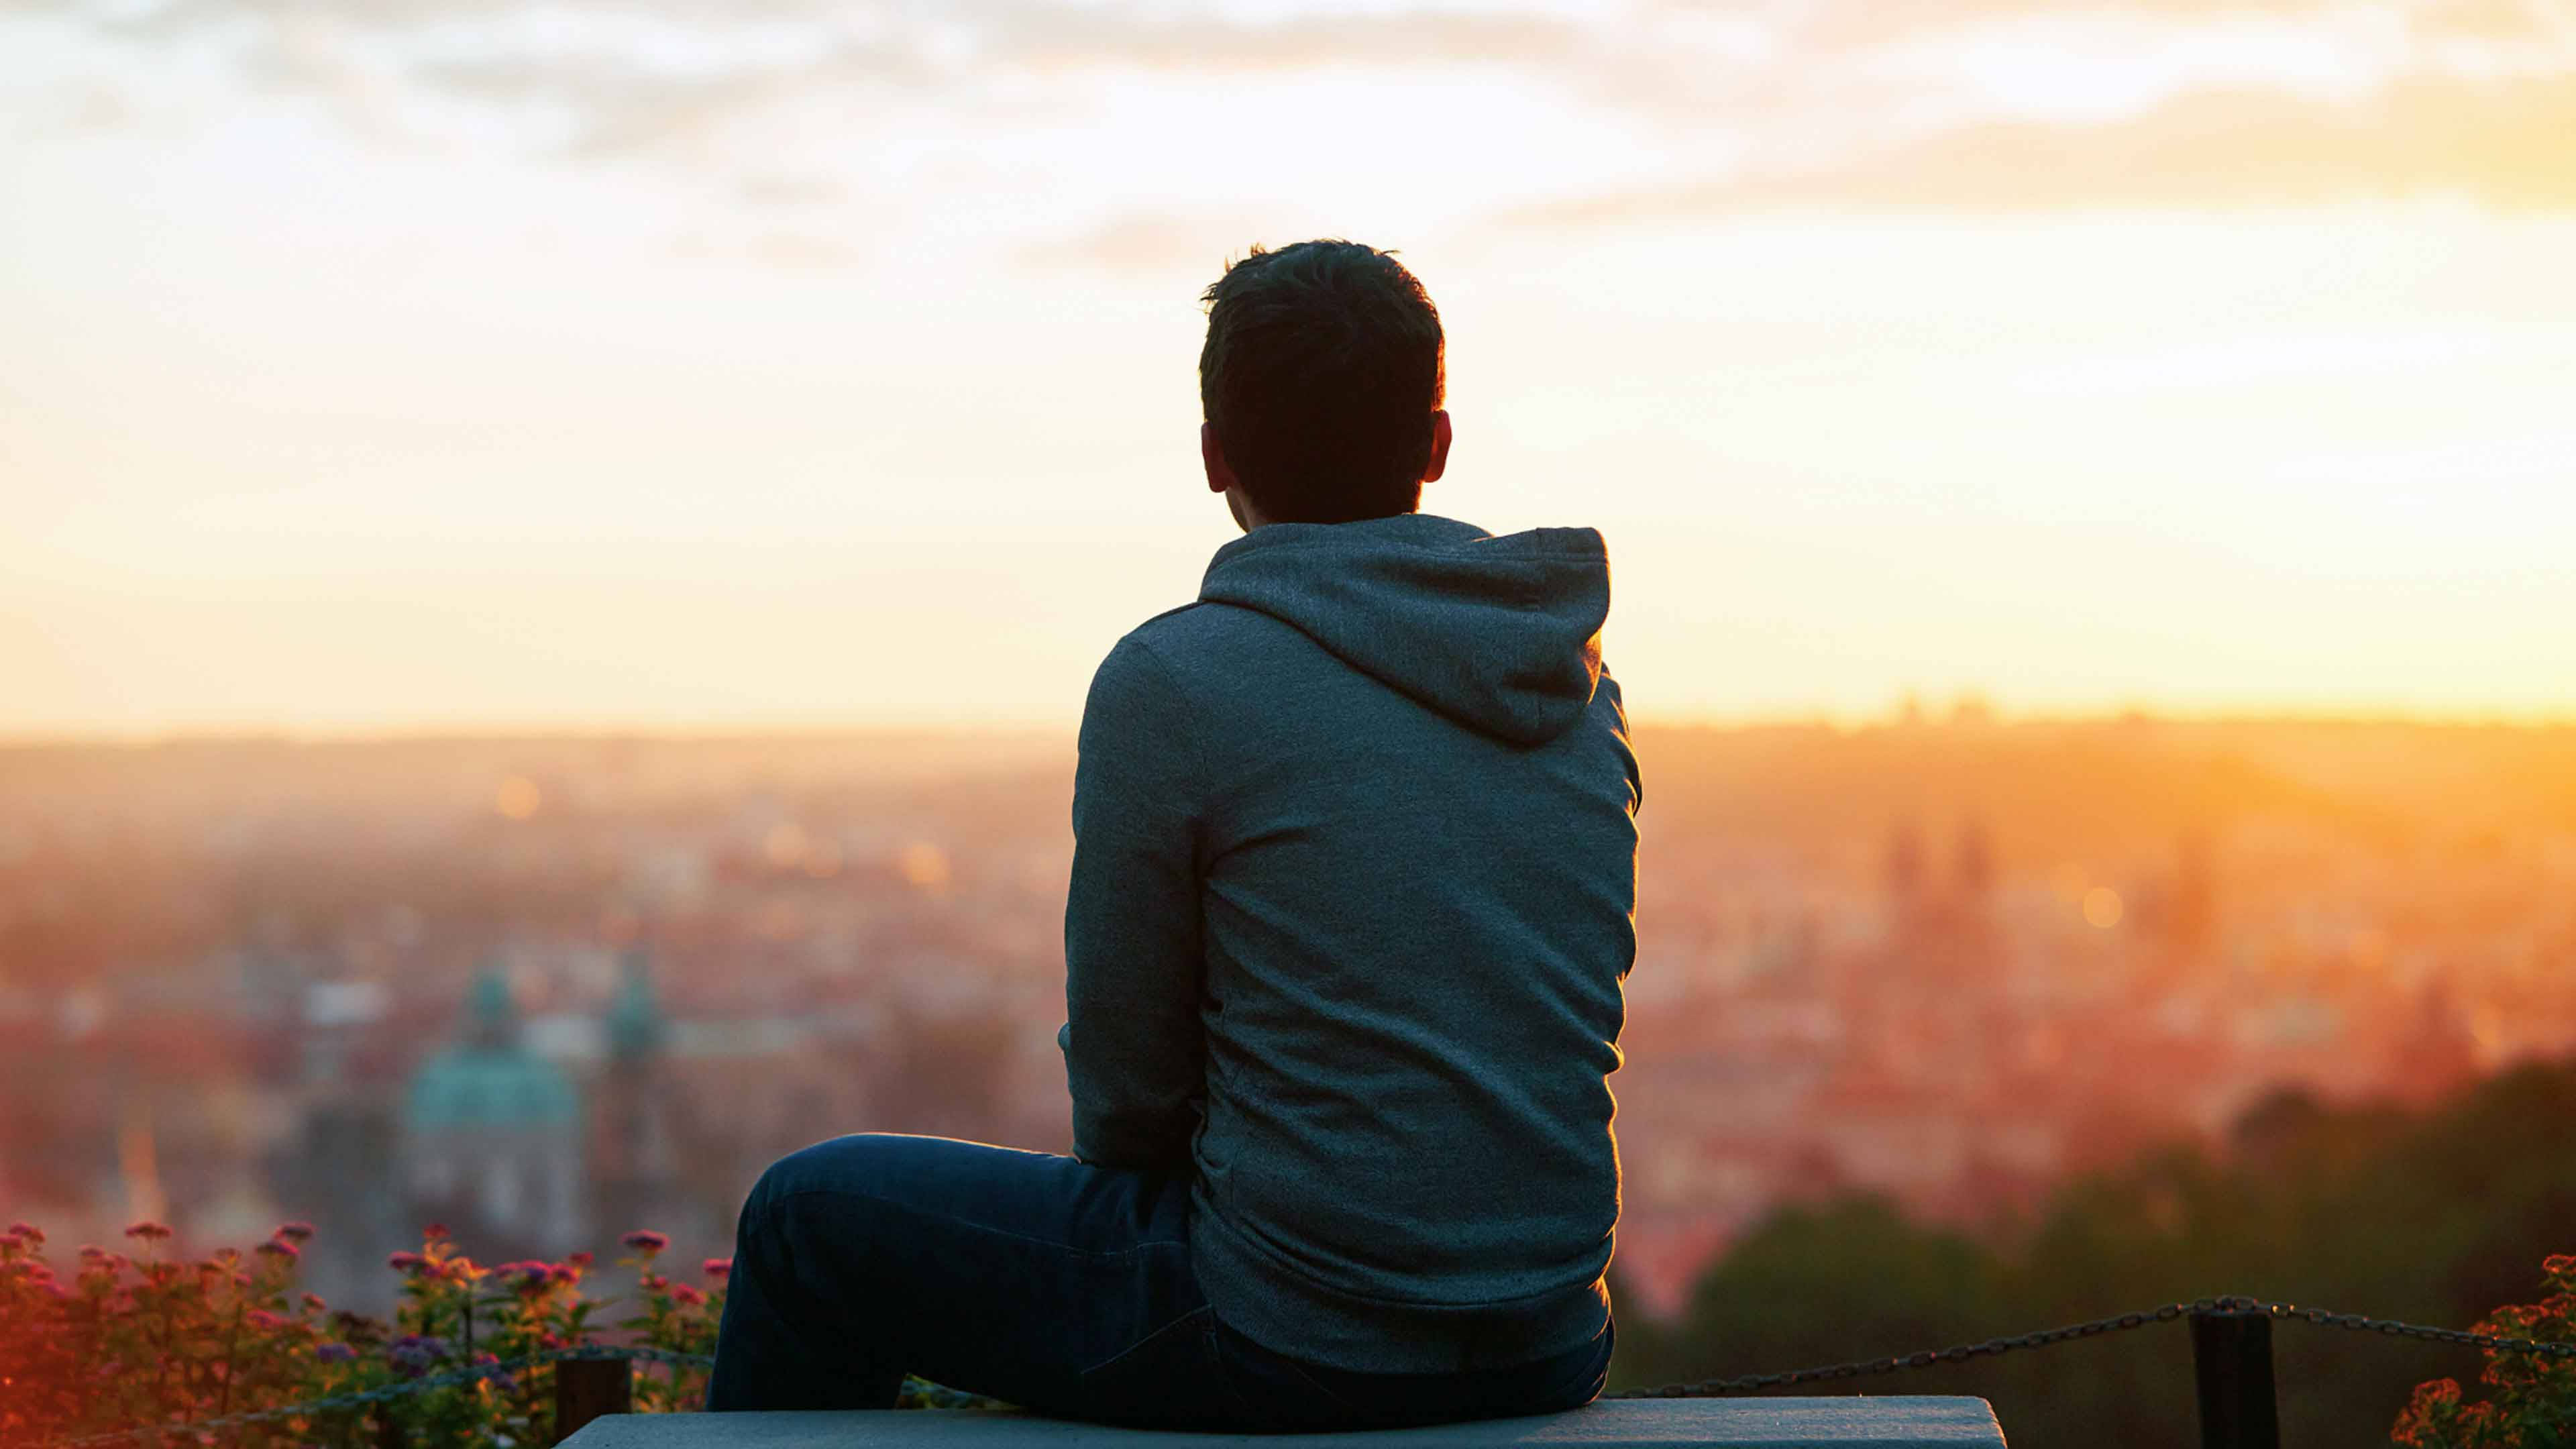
(1133, 1051)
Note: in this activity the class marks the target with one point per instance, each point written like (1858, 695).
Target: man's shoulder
(1198, 635)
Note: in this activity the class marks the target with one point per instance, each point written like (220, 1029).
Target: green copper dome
(636, 1026)
(489, 1080)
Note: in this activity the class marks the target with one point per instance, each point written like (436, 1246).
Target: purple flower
(28, 1231)
(413, 1353)
(526, 1277)
(645, 1240)
(279, 1248)
(148, 1231)
(334, 1352)
(506, 1383)
(295, 1232)
(405, 1262)
(719, 1268)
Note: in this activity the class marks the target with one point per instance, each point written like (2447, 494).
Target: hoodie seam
(1527, 550)
(1196, 775)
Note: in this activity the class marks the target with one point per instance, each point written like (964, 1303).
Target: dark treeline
(2436, 1219)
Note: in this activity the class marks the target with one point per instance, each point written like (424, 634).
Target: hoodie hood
(1500, 634)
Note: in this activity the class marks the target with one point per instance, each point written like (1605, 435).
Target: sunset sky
(459, 364)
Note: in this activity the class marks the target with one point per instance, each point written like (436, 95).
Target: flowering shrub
(139, 1337)
(2531, 1401)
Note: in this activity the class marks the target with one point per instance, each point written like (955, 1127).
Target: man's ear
(1439, 463)
(1220, 473)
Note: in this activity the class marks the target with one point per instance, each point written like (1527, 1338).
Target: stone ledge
(1891, 1422)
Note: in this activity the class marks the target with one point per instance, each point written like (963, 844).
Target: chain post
(586, 1388)
(2231, 1360)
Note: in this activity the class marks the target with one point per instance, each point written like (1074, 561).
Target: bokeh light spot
(518, 798)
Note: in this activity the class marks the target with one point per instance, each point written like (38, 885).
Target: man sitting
(1352, 903)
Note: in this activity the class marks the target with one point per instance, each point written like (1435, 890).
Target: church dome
(489, 1080)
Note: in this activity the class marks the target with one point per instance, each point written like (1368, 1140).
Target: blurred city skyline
(480, 364)
(374, 984)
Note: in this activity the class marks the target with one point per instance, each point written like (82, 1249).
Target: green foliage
(2434, 1220)
(147, 1340)
(2531, 1403)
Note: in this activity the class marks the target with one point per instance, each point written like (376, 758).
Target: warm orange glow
(2207, 358)
(2102, 908)
(2068, 880)
(784, 845)
(518, 798)
(924, 865)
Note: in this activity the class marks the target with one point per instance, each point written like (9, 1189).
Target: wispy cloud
(2501, 143)
(1158, 242)
(1967, 103)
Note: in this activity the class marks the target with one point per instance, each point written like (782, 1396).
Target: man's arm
(1133, 1053)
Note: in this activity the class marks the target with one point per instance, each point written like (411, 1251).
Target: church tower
(491, 1138)
(632, 1152)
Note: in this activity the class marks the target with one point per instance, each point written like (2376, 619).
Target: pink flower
(719, 1268)
(313, 1303)
(645, 1240)
(28, 1231)
(579, 1260)
(655, 1282)
(262, 1319)
(279, 1248)
(683, 1293)
(148, 1231)
(434, 1230)
(405, 1262)
(564, 1273)
(295, 1232)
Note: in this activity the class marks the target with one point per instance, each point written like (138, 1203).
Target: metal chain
(386, 1393)
(2225, 1306)
(1958, 1353)
(2362, 1323)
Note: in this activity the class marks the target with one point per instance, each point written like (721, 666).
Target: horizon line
(713, 731)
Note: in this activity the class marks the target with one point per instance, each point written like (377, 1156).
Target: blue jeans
(1041, 1281)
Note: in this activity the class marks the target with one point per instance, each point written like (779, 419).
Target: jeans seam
(1133, 1349)
(775, 1199)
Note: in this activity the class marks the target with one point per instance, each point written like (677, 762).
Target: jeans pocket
(1166, 1379)
(1273, 1391)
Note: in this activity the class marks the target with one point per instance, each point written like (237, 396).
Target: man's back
(1354, 866)
(1374, 791)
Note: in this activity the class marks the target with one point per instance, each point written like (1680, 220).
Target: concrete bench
(1893, 1422)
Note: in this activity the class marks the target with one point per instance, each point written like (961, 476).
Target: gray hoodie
(1353, 897)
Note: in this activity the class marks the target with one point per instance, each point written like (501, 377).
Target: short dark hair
(1323, 365)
